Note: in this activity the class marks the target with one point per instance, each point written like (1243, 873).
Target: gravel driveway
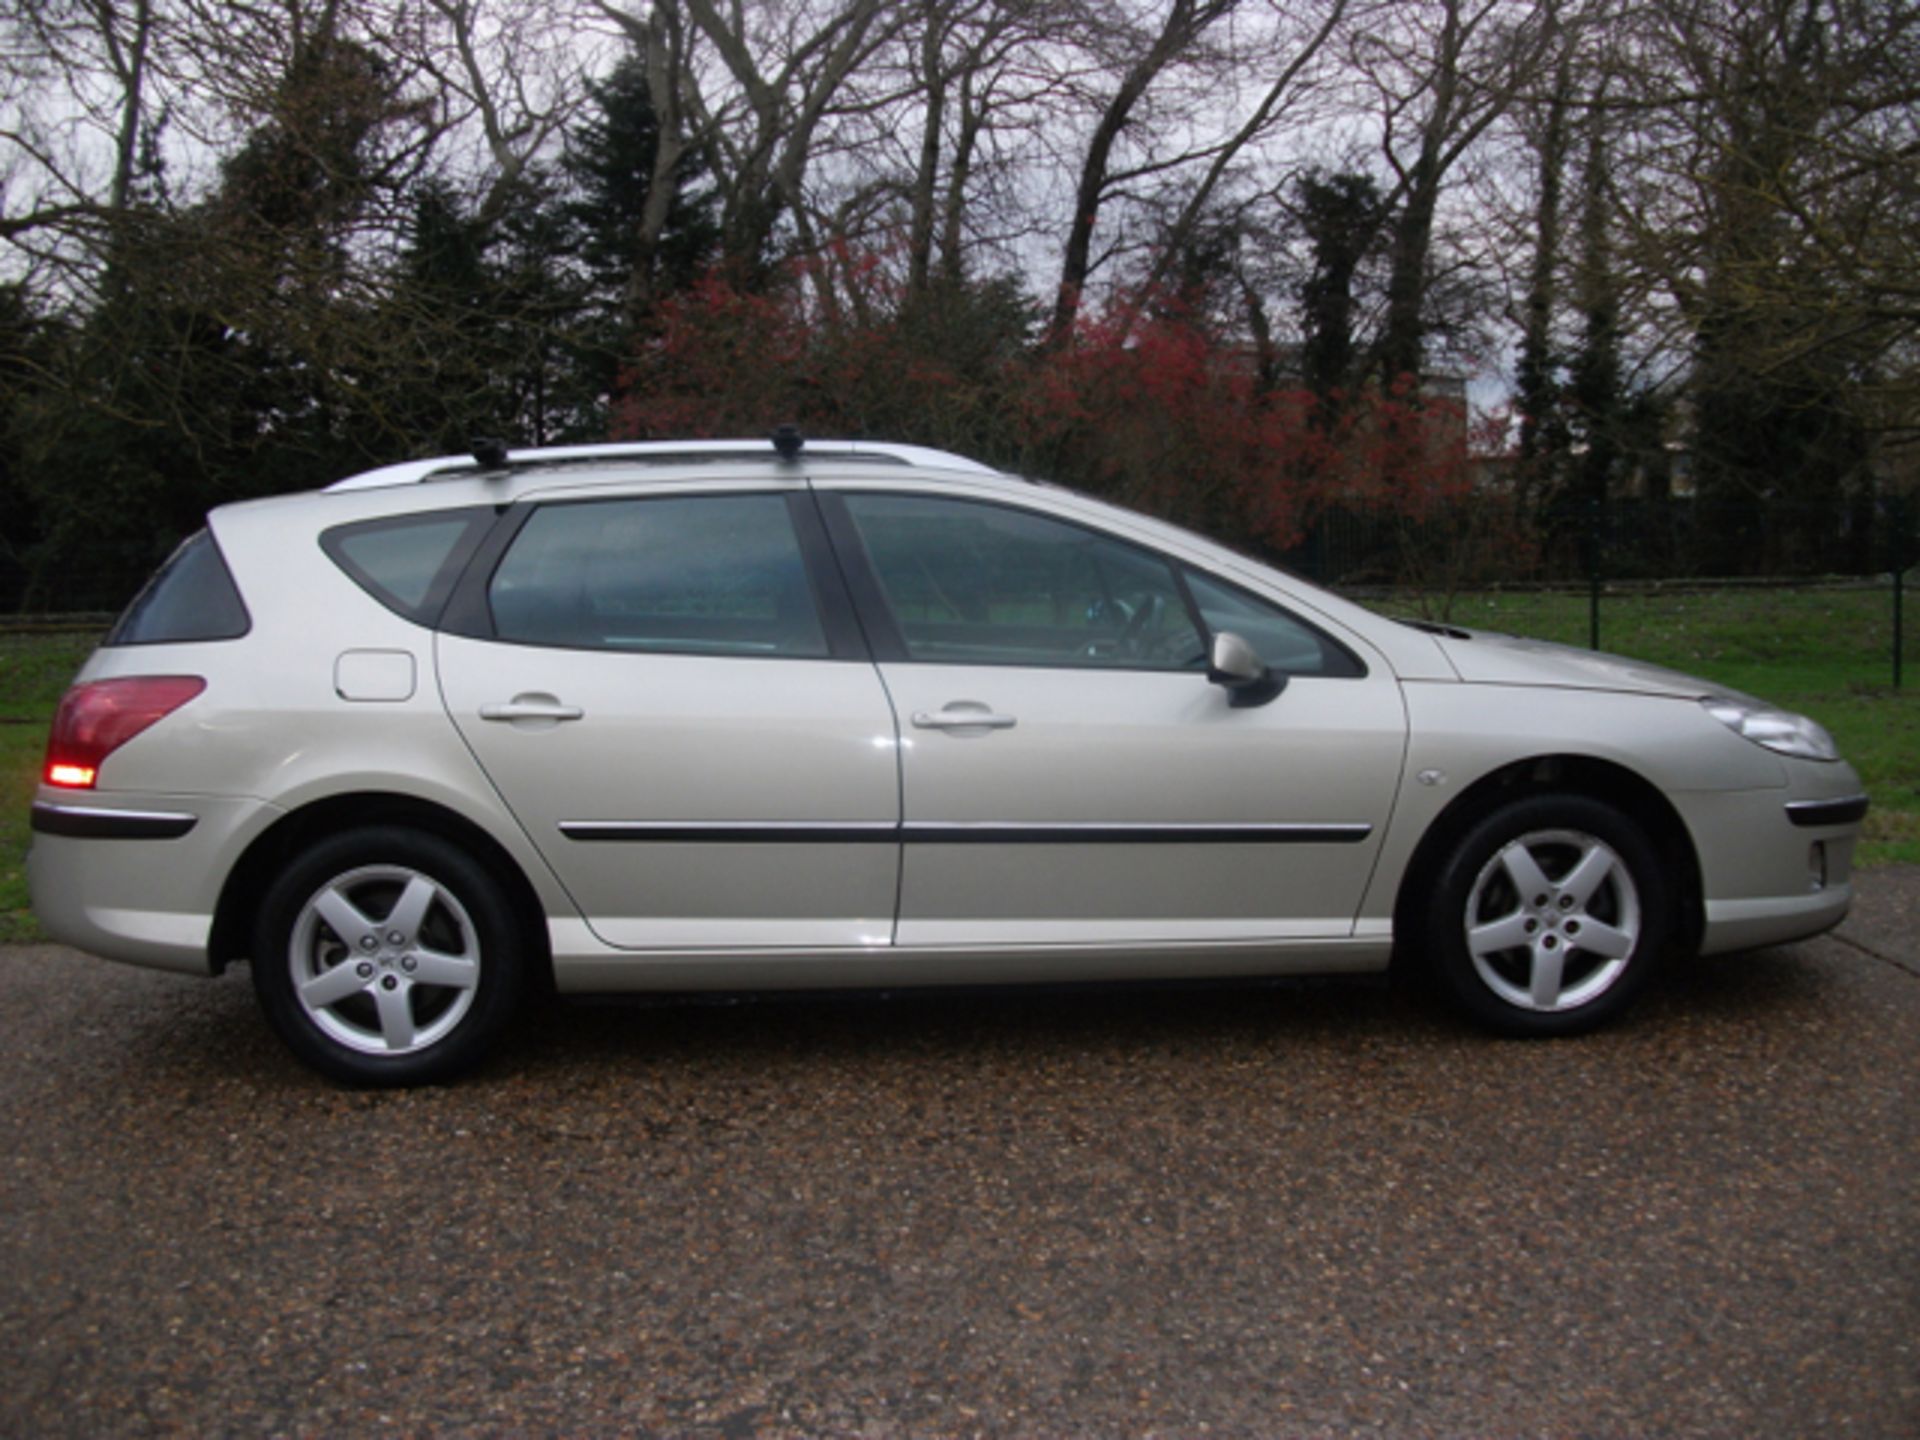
(1302, 1210)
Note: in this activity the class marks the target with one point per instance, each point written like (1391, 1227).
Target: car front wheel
(1550, 916)
(385, 956)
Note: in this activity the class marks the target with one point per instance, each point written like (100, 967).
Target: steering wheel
(1143, 619)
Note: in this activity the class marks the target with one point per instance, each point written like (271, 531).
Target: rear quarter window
(409, 563)
(190, 598)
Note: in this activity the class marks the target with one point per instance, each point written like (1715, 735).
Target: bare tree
(955, 47)
(509, 69)
(1769, 150)
(1542, 431)
(1293, 57)
(791, 71)
(682, 117)
(80, 87)
(1440, 73)
(1140, 56)
(999, 79)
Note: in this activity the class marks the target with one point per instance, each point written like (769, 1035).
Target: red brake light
(99, 717)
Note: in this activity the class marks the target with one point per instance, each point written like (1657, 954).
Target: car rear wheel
(385, 956)
(1550, 916)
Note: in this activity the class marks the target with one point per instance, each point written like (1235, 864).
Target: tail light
(97, 718)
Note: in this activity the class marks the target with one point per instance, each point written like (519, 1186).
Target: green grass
(1824, 652)
(34, 671)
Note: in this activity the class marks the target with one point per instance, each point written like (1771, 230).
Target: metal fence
(1444, 558)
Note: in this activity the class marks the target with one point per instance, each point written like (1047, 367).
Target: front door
(1069, 774)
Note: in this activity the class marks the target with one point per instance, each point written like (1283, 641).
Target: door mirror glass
(1236, 665)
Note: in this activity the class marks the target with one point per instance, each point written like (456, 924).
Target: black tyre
(1550, 917)
(387, 956)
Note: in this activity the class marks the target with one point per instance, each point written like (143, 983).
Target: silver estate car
(750, 716)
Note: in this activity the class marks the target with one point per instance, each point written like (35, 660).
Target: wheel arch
(247, 884)
(1603, 781)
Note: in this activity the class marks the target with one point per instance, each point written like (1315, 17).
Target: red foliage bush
(1141, 404)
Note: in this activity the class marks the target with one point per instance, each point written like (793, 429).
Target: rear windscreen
(191, 597)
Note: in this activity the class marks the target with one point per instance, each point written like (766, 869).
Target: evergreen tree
(31, 349)
(610, 162)
(479, 323)
(1341, 214)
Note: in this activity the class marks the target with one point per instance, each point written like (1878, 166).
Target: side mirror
(1237, 666)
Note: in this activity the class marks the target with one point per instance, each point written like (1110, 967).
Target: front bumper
(1776, 865)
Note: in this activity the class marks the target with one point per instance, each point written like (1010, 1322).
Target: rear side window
(706, 575)
(409, 563)
(190, 598)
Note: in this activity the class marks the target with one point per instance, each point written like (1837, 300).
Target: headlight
(1777, 730)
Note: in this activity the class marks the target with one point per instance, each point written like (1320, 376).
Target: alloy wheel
(384, 959)
(1552, 920)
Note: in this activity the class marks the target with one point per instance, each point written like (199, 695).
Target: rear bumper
(137, 879)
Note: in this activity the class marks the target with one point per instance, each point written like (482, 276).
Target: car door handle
(955, 718)
(531, 707)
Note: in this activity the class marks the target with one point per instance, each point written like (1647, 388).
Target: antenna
(490, 453)
(787, 441)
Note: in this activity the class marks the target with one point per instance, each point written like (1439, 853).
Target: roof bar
(410, 472)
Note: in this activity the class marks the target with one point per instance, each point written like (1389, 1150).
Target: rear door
(670, 693)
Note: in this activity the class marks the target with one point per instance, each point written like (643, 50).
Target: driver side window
(971, 583)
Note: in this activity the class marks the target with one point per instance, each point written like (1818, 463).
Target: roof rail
(411, 472)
